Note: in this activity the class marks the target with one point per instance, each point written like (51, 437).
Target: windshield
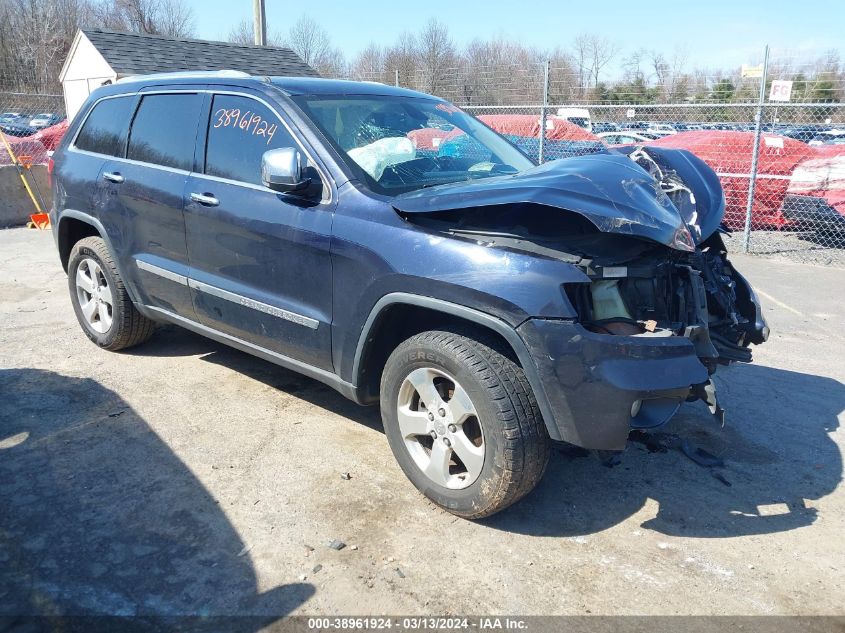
(398, 144)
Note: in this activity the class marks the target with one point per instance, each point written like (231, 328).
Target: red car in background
(729, 154)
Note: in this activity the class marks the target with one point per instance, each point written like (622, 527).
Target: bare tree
(311, 42)
(403, 59)
(175, 18)
(436, 54)
(241, 33)
(156, 17)
(369, 64)
(601, 52)
(581, 56)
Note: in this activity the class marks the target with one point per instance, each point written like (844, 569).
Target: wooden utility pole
(259, 22)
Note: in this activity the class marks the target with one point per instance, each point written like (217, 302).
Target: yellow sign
(752, 72)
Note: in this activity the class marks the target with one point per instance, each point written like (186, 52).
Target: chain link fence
(32, 125)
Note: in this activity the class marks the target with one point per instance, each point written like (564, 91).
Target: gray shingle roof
(141, 54)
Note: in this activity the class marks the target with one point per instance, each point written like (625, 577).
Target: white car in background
(661, 129)
(625, 137)
(578, 116)
(833, 137)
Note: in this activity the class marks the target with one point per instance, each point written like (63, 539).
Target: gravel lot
(184, 477)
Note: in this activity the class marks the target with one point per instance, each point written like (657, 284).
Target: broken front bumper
(600, 386)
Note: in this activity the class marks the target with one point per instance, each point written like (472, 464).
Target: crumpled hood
(610, 190)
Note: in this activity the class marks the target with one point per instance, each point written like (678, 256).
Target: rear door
(260, 260)
(102, 136)
(146, 191)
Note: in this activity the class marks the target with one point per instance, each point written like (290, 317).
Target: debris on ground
(308, 549)
(336, 545)
(716, 474)
(244, 550)
(346, 476)
(662, 442)
(114, 414)
(400, 573)
(317, 568)
(353, 547)
(302, 577)
(701, 456)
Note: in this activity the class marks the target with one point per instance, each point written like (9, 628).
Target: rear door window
(103, 130)
(164, 130)
(240, 130)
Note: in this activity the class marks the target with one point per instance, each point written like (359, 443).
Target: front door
(260, 260)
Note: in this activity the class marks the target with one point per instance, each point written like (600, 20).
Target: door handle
(205, 199)
(113, 176)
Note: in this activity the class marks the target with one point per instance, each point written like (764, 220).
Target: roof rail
(188, 74)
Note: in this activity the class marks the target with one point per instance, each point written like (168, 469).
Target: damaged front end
(664, 293)
(660, 307)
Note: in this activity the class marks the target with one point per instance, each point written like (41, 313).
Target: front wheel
(463, 422)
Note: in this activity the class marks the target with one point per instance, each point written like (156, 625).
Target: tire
(113, 323)
(489, 409)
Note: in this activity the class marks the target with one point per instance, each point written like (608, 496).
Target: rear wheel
(100, 301)
(462, 422)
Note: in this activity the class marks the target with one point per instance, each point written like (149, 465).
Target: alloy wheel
(94, 295)
(440, 428)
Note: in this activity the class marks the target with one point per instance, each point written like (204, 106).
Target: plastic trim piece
(266, 308)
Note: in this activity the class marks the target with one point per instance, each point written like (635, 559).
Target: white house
(98, 56)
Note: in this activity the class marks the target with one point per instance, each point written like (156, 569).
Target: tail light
(50, 171)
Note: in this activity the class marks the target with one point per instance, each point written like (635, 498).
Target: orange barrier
(39, 219)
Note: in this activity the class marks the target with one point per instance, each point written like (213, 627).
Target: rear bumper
(592, 381)
(811, 212)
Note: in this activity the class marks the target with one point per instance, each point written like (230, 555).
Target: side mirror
(281, 170)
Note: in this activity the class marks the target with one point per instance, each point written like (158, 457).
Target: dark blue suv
(386, 243)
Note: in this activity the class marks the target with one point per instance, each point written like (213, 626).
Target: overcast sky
(715, 33)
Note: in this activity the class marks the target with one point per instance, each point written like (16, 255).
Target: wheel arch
(397, 316)
(75, 225)
(71, 229)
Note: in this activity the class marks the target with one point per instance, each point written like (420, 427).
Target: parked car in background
(834, 137)
(487, 304)
(730, 154)
(801, 133)
(51, 136)
(661, 129)
(604, 126)
(563, 139)
(17, 128)
(11, 117)
(815, 199)
(45, 119)
(578, 116)
(625, 137)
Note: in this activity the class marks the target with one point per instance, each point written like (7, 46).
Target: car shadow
(173, 341)
(778, 458)
(778, 453)
(99, 517)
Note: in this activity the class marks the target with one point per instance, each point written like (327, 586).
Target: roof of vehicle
(315, 86)
(141, 54)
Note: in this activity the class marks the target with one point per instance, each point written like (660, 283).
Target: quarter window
(103, 129)
(240, 130)
(164, 130)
